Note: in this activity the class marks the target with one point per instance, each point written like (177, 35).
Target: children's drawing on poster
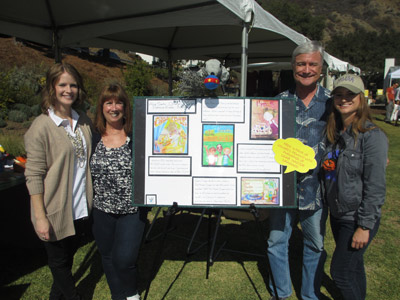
(218, 145)
(260, 191)
(264, 119)
(170, 135)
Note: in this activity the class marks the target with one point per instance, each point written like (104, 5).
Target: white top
(79, 203)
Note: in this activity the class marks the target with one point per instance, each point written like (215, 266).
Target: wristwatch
(363, 228)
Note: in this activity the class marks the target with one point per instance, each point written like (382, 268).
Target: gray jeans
(389, 111)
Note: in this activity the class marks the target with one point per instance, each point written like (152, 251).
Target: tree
(366, 50)
(137, 78)
(296, 17)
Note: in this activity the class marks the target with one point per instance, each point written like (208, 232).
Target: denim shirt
(310, 125)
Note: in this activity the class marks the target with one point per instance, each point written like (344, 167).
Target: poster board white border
(162, 185)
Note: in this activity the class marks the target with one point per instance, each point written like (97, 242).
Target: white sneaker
(134, 297)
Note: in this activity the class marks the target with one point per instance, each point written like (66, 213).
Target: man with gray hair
(311, 106)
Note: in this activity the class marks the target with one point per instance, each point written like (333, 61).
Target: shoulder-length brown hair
(335, 124)
(53, 75)
(113, 91)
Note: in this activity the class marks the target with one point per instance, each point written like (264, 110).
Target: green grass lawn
(24, 274)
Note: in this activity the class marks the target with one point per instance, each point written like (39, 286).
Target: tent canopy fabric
(233, 31)
(395, 74)
(174, 29)
(335, 64)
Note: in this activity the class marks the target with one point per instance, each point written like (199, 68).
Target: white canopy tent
(335, 64)
(393, 73)
(230, 30)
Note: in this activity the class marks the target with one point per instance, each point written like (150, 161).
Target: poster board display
(211, 152)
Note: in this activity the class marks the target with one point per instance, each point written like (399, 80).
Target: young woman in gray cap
(353, 167)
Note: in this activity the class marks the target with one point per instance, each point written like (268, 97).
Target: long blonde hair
(335, 124)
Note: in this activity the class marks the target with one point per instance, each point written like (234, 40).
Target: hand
(360, 238)
(42, 228)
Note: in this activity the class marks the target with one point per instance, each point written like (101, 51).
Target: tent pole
(56, 48)
(245, 45)
(169, 63)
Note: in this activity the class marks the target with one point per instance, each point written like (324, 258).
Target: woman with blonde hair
(58, 145)
(353, 174)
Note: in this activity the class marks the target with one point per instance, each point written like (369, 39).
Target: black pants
(60, 256)
(347, 266)
(118, 238)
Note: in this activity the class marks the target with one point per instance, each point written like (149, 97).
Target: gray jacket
(360, 176)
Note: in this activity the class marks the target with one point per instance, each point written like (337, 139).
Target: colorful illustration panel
(260, 191)
(218, 150)
(264, 119)
(170, 135)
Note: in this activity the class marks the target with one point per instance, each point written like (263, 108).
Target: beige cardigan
(49, 170)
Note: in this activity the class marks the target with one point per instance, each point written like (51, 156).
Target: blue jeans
(312, 223)
(118, 238)
(347, 266)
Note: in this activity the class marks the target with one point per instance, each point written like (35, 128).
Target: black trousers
(347, 266)
(60, 255)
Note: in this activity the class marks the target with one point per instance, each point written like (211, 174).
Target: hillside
(351, 15)
(15, 53)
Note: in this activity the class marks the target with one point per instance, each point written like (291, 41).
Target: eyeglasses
(347, 96)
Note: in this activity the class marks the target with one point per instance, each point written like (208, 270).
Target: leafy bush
(17, 116)
(3, 113)
(137, 78)
(5, 90)
(20, 85)
(27, 124)
(162, 73)
(92, 87)
(2, 123)
(36, 110)
(24, 108)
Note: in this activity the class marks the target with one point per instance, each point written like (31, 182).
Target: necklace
(78, 147)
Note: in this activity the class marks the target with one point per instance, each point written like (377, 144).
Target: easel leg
(254, 211)
(211, 257)
(168, 217)
(189, 251)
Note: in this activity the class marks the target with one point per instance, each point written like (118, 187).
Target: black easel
(211, 242)
(168, 218)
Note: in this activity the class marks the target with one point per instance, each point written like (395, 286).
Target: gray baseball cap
(351, 82)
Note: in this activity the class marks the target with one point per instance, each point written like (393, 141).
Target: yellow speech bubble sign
(294, 155)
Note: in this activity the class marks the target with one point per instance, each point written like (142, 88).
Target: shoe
(134, 297)
(274, 298)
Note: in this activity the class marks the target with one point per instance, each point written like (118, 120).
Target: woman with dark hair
(117, 225)
(58, 145)
(353, 166)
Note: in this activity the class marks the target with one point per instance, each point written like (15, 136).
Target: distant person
(396, 107)
(311, 104)
(390, 94)
(353, 168)
(58, 145)
(117, 225)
